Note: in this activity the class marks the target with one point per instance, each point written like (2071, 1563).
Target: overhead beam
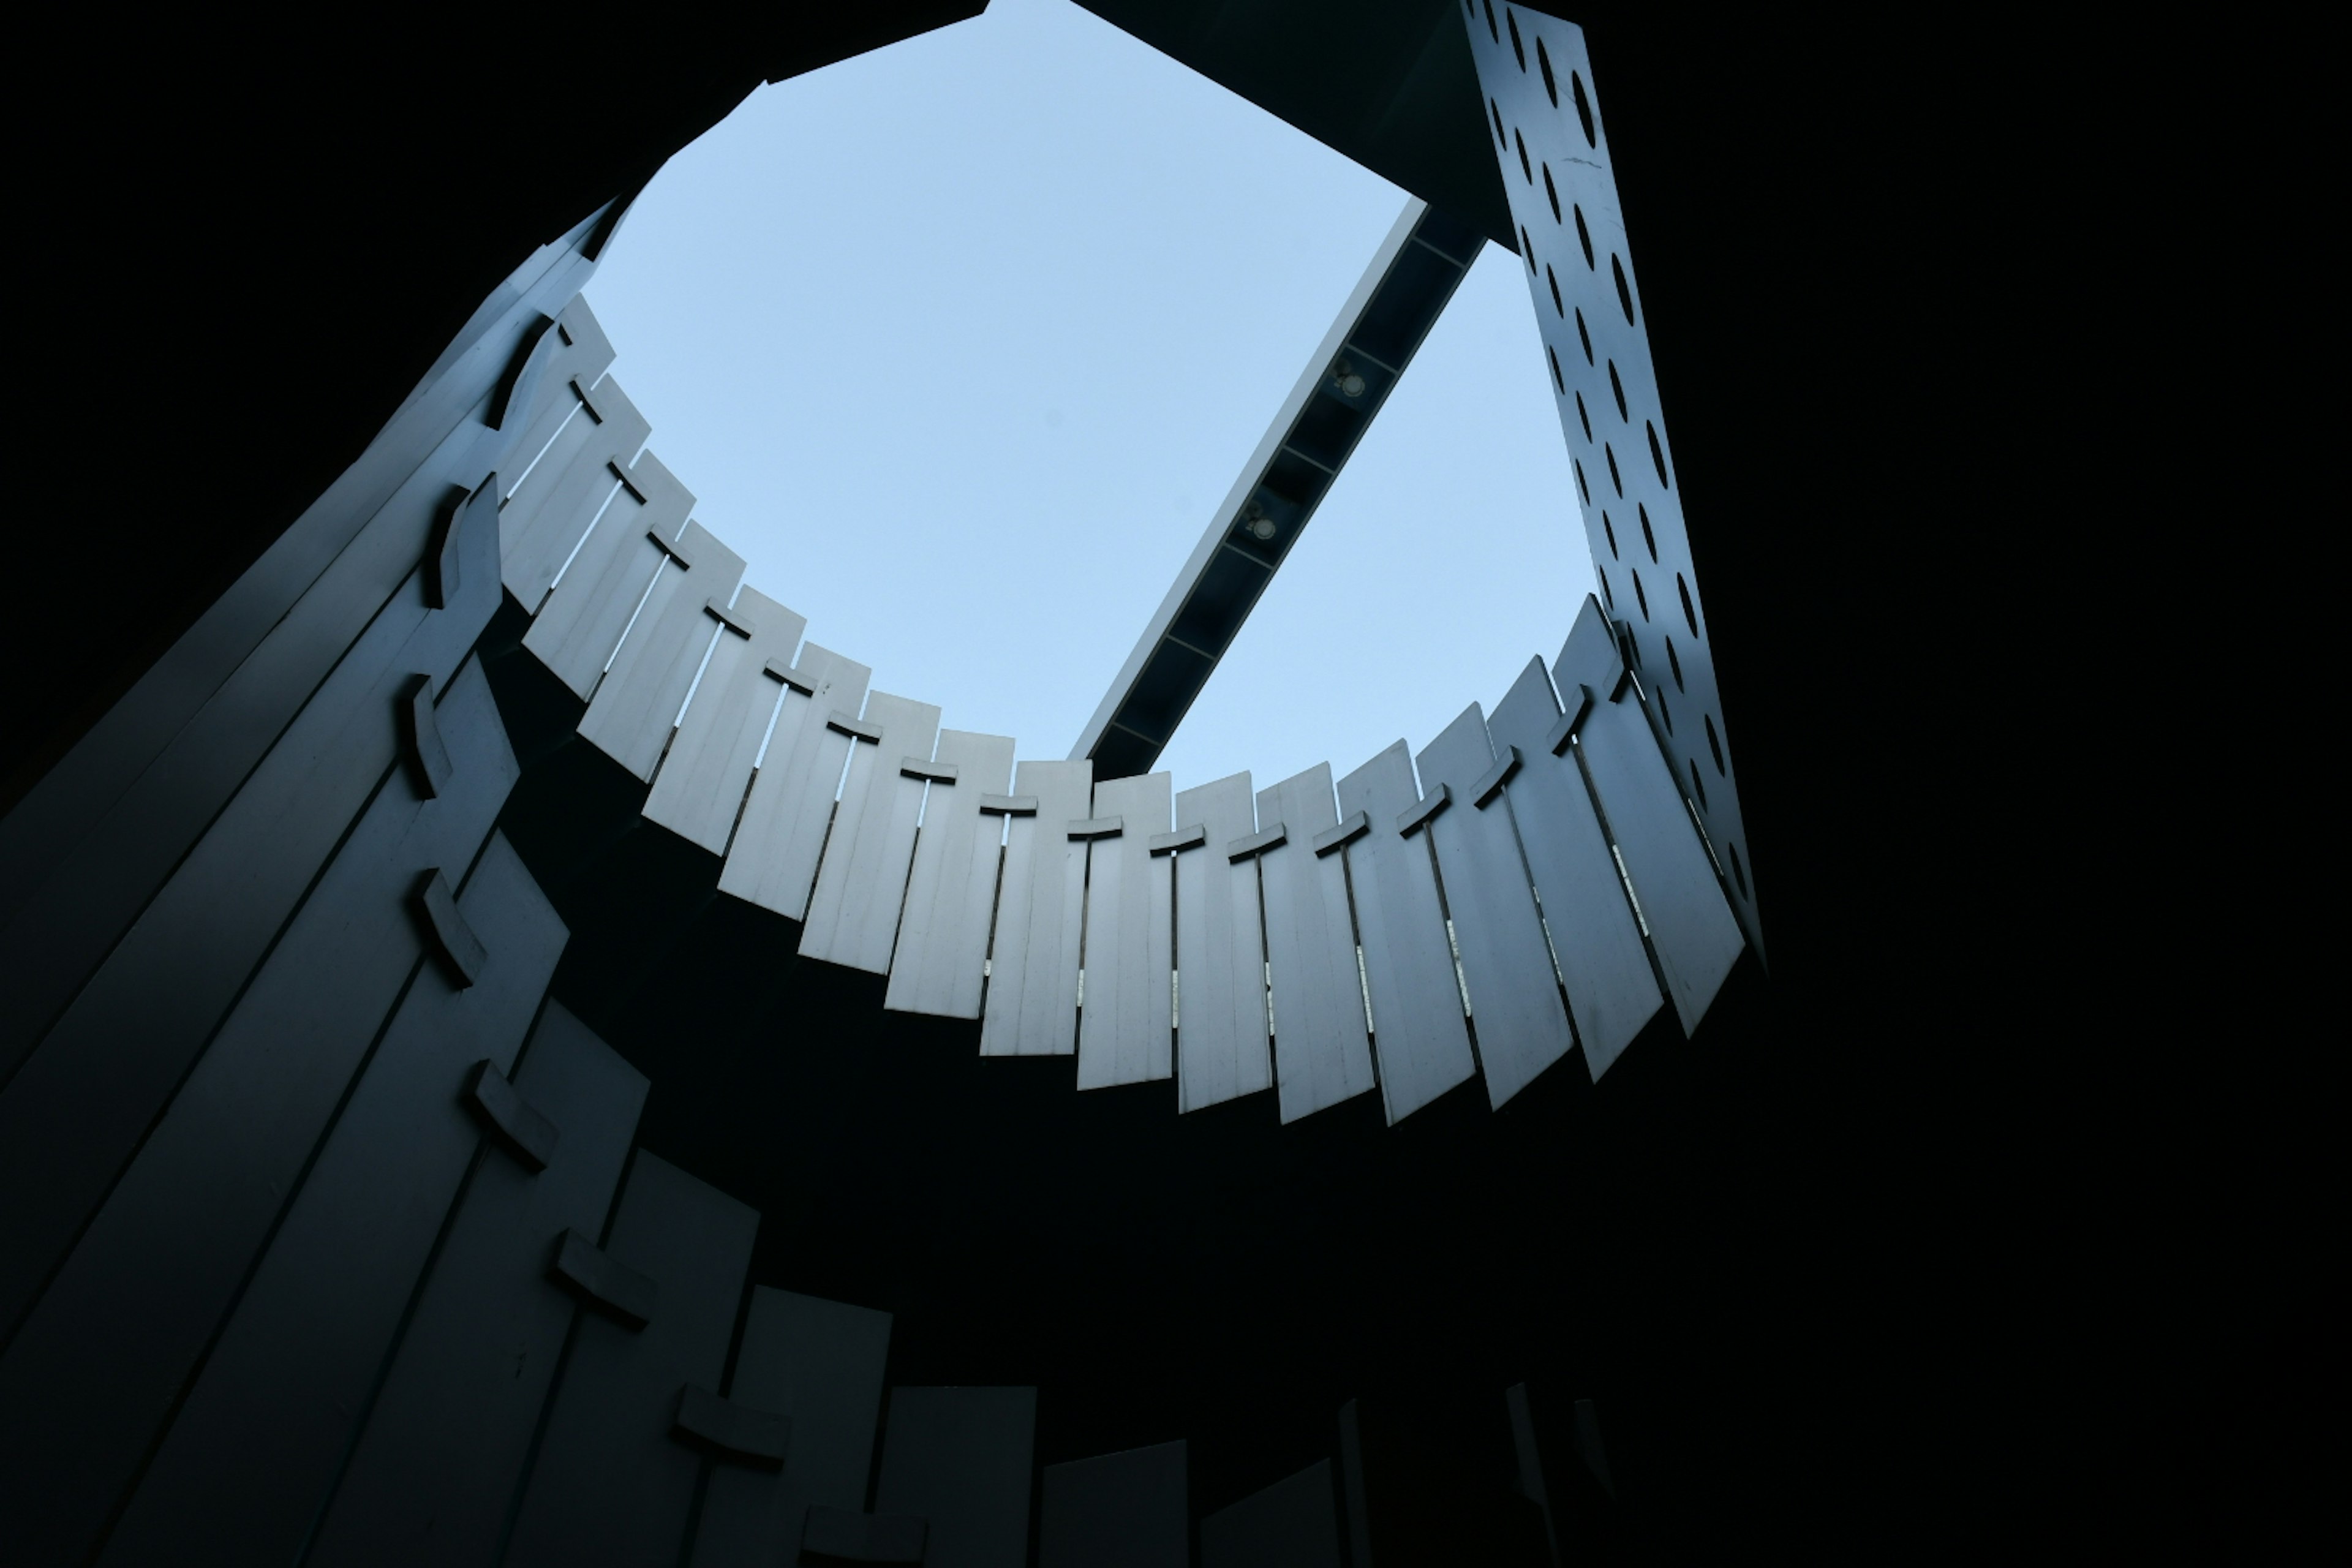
(1390, 312)
(1387, 83)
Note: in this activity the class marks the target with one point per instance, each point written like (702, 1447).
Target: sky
(960, 342)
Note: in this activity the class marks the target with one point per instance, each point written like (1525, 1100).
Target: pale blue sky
(959, 342)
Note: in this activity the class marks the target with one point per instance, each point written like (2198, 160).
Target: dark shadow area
(1215, 1277)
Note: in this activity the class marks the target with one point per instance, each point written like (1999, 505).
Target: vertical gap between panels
(603, 507)
(1266, 970)
(1454, 952)
(695, 685)
(898, 925)
(783, 695)
(1086, 899)
(1356, 931)
(545, 446)
(849, 760)
(1175, 966)
(659, 568)
(995, 908)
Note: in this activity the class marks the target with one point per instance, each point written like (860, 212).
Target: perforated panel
(1553, 147)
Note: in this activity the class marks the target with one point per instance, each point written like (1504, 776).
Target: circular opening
(1647, 537)
(1639, 597)
(1583, 108)
(1553, 192)
(1517, 47)
(1625, 289)
(1500, 135)
(1675, 663)
(1525, 167)
(1582, 417)
(1715, 746)
(1738, 874)
(1618, 388)
(1582, 336)
(1583, 238)
(1543, 63)
(1556, 302)
(1557, 380)
(1581, 488)
(1688, 614)
(1611, 453)
(1657, 456)
(1698, 783)
(1610, 529)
